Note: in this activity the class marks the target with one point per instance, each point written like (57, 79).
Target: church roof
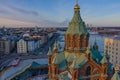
(77, 25)
(79, 61)
(64, 76)
(74, 64)
(70, 58)
(82, 59)
(96, 55)
(116, 75)
(62, 65)
(22, 67)
(88, 50)
(49, 51)
(104, 59)
(58, 58)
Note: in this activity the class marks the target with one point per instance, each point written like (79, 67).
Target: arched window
(88, 71)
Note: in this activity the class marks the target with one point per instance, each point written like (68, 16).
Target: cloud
(107, 20)
(5, 8)
(13, 23)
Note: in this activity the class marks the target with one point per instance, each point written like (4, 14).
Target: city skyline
(57, 12)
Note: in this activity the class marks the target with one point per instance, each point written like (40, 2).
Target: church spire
(76, 36)
(77, 6)
(76, 1)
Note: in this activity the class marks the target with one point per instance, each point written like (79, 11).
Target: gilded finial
(76, 1)
(55, 45)
(88, 50)
(77, 6)
(116, 68)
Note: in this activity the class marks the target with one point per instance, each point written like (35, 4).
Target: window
(109, 47)
(116, 62)
(116, 53)
(113, 44)
(109, 43)
(112, 60)
(88, 70)
(116, 44)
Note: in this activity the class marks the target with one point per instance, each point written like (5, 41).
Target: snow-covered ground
(22, 65)
(39, 78)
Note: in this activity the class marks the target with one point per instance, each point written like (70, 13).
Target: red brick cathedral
(78, 61)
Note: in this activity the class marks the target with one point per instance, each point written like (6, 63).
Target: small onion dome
(116, 68)
(77, 6)
(49, 51)
(55, 45)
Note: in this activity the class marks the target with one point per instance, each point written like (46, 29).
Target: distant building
(31, 45)
(21, 46)
(44, 37)
(6, 45)
(112, 45)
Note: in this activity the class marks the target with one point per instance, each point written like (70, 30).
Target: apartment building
(112, 45)
(21, 46)
(6, 46)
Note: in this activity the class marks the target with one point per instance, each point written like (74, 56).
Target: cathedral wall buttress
(50, 59)
(104, 68)
(50, 66)
(50, 71)
(55, 68)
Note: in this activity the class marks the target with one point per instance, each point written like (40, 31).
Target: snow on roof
(24, 63)
(39, 78)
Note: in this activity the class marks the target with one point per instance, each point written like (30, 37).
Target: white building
(112, 45)
(21, 46)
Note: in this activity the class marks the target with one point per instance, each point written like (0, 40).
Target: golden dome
(116, 68)
(77, 6)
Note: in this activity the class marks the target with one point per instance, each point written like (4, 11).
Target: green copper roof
(55, 45)
(58, 58)
(95, 43)
(74, 64)
(70, 58)
(62, 65)
(115, 76)
(64, 76)
(77, 25)
(24, 74)
(104, 59)
(79, 61)
(82, 59)
(49, 51)
(96, 55)
(88, 50)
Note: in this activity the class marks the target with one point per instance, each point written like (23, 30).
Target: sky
(58, 13)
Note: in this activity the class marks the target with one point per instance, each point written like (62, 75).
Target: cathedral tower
(76, 36)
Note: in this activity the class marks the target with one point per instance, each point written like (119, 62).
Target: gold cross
(76, 1)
